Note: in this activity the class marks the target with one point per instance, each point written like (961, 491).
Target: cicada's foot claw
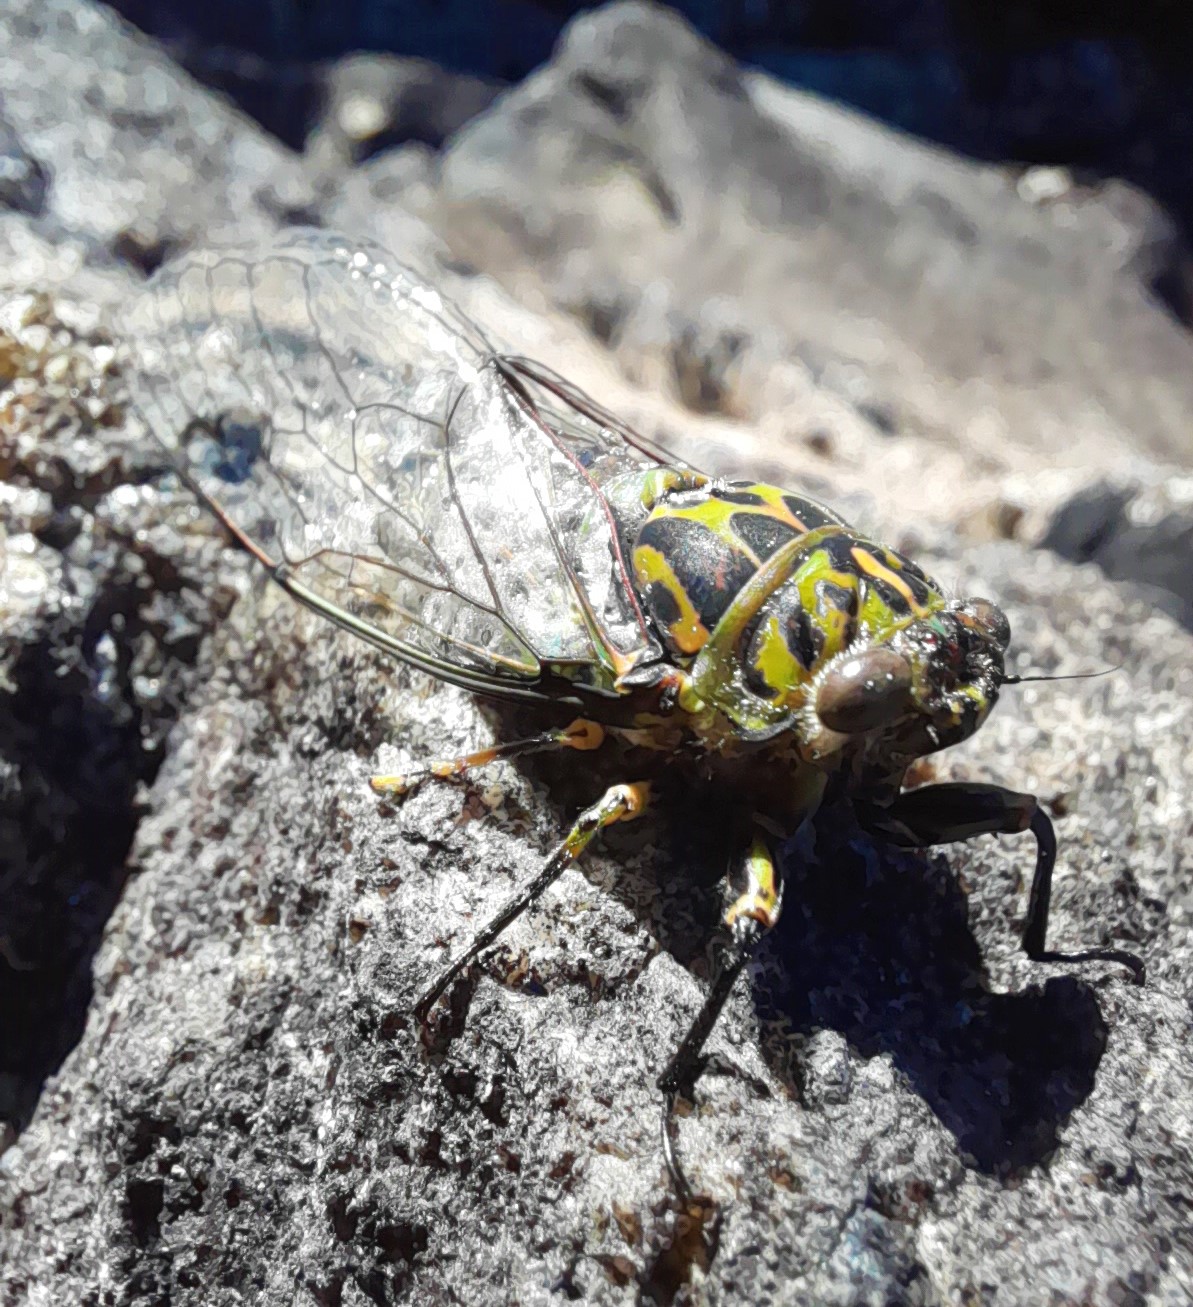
(397, 786)
(686, 1197)
(1122, 957)
(695, 1236)
(436, 1022)
(716, 1064)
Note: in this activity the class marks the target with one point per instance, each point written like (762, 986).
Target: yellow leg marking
(583, 735)
(618, 803)
(755, 910)
(580, 734)
(761, 896)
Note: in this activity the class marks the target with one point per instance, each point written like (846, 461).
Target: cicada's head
(929, 684)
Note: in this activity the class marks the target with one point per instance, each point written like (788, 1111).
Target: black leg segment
(944, 814)
(755, 901)
(619, 803)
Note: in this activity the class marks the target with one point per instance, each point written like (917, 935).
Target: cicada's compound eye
(864, 691)
(989, 618)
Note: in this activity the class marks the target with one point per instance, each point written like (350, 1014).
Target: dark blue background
(1103, 87)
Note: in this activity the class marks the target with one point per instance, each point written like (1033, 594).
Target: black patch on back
(709, 569)
(890, 595)
(803, 638)
(839, 549)
(831, 596)
(813, 517)
(761, 533)
(732, 495)
(917, 580)
(661, 603)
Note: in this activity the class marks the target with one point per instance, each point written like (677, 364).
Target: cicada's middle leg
(619, 803)
(582, 734)
(756, 900)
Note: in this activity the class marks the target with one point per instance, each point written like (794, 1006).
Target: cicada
(479, 518)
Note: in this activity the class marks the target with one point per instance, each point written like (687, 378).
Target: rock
(23, 179)
(249, 1104)
(135, 159)
(374, 102)
(247, 1114)
(1136, 532)
(101, 613)
(712, 223)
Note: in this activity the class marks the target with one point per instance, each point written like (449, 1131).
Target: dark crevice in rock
(93, 676)
(76, 748)
(143, 1204)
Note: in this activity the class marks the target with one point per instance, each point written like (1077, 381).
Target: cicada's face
(929, 684)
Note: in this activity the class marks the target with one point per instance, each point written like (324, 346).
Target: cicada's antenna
(1071, 676)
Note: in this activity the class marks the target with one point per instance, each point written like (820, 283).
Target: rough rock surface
(137, 160)
(248, 1116)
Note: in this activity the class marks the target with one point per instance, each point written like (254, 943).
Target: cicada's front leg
(943, 814)
(756, 900)
(582, 734)
(619, 803)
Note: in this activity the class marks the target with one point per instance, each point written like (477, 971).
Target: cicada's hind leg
(582, 734)
(757, 897)
(942, 814)
(619, 803)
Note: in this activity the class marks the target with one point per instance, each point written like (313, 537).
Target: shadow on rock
(875, 943)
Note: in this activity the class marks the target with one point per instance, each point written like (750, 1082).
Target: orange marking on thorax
(872, 567)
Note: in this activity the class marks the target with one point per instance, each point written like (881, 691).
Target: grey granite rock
(101, 613)
(373, 102)
(250, 1112)
(136, 160)
(713, 225)
(247, 1115)
(1139, 532)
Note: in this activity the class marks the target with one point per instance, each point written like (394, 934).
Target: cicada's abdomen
(697, 548)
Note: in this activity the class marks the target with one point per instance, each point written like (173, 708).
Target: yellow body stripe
(717, 515)
(776, 664)
(687, 631)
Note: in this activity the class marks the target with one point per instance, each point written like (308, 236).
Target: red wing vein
(584, 403)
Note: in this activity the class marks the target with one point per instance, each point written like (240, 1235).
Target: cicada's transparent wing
(359, 434)
(578, 416)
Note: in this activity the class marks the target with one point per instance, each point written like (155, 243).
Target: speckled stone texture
(211, 919)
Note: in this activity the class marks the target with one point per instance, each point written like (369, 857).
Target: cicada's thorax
(755, 636)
